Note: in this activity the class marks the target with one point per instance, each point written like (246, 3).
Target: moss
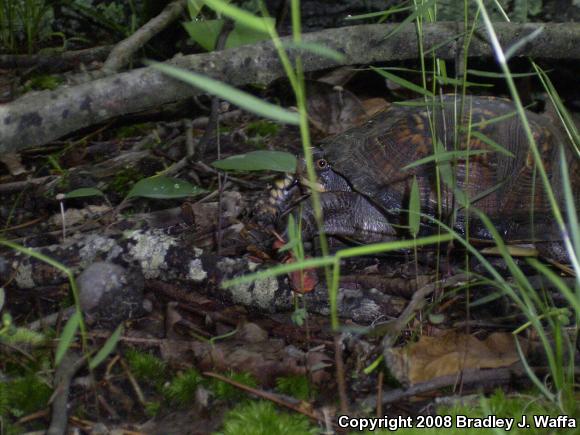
(181, 390)
(152, 408)
(262, 418)
(26, 395)
(124, 180)
(43, 82)
(262, 128)
(147, 367)
(296, 386)
(225, 391)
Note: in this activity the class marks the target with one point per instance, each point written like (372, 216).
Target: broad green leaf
(164, 188)
(194, 7)
(84, 192)
(241, 16)
(414, 208)
(204, 33)
(402, 82)
(258, 161)
(317, 49)
(67, 337)
(242, 35)
(2, 297)
(107, 348)
(242, 99)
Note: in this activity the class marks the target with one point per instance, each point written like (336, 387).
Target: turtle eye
(321, 164)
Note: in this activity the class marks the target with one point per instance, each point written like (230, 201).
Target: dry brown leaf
(432, 357)
(13, 162)
(332, 109)
(373, 106)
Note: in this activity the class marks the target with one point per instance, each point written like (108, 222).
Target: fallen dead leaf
(13, 162)
(450, 353)
(332, 109)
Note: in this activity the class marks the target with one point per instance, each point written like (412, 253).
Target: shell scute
(373, 157)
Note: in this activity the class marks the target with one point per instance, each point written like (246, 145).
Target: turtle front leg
(346, 214)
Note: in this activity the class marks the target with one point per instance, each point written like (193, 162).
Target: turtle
(484, 162)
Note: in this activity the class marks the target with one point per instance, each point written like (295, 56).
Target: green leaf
(242, 99)
(161, 187)
(204, 33)
(242, 35)
(107, 348)
(241, 16)
(414, 208)
(194, 7)
(317, 49)
(2, 297)
(66, 338)
(258, 161)
(84, 192)
(299, 316)
(402, 82)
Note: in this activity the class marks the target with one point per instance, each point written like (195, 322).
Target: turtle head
(327, 179)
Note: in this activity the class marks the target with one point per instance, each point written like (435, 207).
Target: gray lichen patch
(23, 277)
(149, 250)
(196, 271)
(265, 292)
(242, 294)
(228, 266)
(94, 245)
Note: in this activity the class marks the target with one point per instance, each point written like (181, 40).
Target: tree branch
(38, 118)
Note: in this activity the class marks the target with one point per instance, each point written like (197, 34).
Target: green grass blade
(241, 16)
(414, 208)
(67, 337)
(226, 92)
(107, 348)
(445, 156)
(279, 270)
(403, 83)
(318, 49)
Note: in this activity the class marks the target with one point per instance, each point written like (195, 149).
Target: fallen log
(159, 256)
(40, 117)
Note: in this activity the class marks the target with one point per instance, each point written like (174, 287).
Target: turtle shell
(491, 162)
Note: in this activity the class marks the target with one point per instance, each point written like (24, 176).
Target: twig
(497, 376)
(340, 378)
(55, 62)
(124, 51)
(287, 402)
(394, 328)
(65, 371)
